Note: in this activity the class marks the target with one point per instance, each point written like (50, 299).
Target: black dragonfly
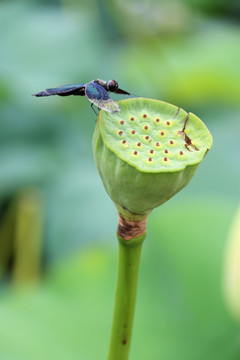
(96, 91)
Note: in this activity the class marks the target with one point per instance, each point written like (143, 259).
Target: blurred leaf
(195, 70)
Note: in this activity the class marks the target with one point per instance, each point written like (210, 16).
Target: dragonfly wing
(120, 91)
(75, 89)
(100, 98)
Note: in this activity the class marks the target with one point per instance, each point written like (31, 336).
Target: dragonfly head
(112, 85)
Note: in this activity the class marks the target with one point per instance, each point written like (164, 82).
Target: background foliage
(57, 225)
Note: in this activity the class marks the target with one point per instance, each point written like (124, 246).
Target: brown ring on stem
(130, 229)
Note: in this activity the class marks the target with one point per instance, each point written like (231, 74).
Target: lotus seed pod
(147, 152)
(232, 269)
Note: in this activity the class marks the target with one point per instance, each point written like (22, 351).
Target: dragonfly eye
(112, 85)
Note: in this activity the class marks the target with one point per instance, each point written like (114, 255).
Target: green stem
(28, 237)
(6, 236)
(128, 266)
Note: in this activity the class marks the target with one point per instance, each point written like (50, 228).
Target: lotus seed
(150, 159)
(139, 144)
(132, 118)
(171, 142)
(181, 153)
(166, 151)
(151, 151)
(157, 144)
(162, 133)
(124, 141)
(133, 131)
(122, 122)
(145, 127)
(120, 133)
(135, 153)
(157, 120)
(147, 137)
(165, 159)
(168, 123)
(144, 115)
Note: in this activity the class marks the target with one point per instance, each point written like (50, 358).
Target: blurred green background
(58, 250)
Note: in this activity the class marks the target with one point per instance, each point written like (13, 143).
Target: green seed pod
(147, 152)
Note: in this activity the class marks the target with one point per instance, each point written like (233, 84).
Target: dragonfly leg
(93, 108)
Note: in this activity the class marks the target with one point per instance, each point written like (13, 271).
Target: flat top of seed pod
(154, 136)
